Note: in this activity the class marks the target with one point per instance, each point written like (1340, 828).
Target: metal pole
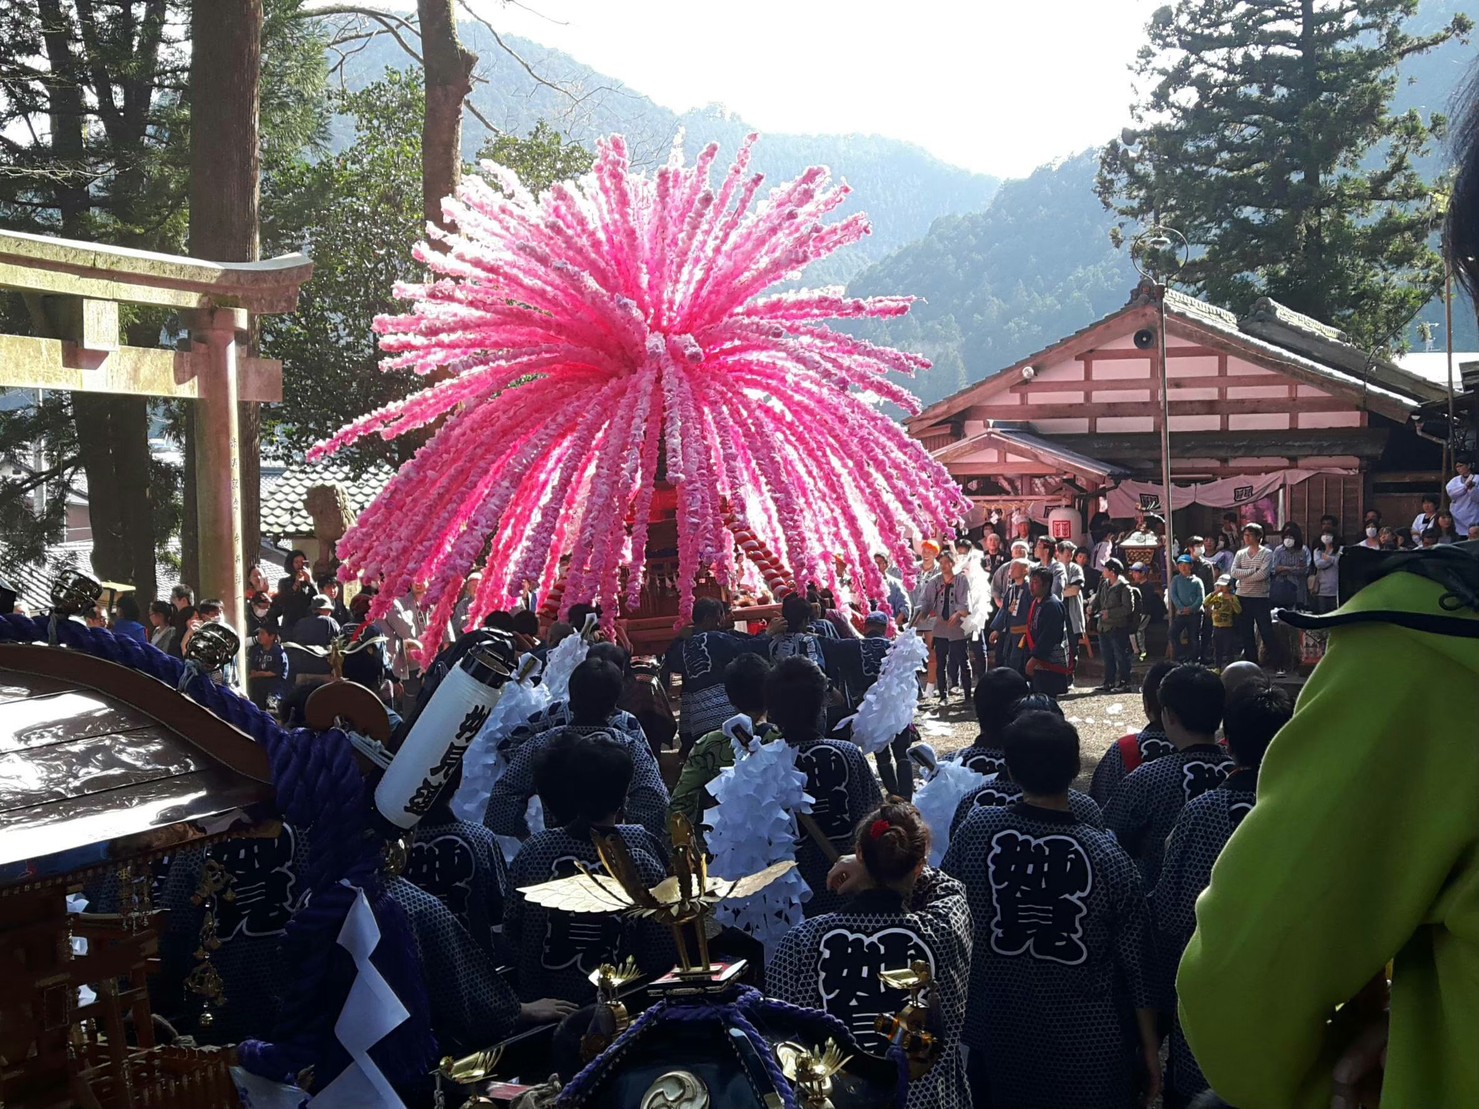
(1448, 345)
(1166, 437)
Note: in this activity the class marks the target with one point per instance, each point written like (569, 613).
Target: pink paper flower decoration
(617, 330)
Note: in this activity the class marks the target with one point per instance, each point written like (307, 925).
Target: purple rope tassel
(319, 787)
(733, 1014)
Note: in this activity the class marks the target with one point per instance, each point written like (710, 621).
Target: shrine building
(1274, 415)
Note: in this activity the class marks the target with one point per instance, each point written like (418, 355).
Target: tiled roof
(32, 580)
(1269, 328)
(1048, 446)
(283, 511)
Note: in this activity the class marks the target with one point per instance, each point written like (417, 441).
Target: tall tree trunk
(131, 457)
(448, 70)
(225, 187)
(113, 487)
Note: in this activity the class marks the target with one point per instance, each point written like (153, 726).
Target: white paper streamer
(371, 1012)
(888, 706)
(567, 654)
(753, 826)
(484, 763)
(938, 799)
(76, 903)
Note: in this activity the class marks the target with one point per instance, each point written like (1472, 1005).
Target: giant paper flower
(618, 331)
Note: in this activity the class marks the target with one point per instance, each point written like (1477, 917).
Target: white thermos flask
(437, 741)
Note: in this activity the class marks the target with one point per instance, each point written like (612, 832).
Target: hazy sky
(995, 86)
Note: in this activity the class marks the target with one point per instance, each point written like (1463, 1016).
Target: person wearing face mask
(1372, 540)
(1203, 569)
(259, 611)
(1288, 589)
(1327, 573)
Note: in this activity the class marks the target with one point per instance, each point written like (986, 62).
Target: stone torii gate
(78, 287)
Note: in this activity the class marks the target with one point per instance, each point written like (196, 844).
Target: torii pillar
(77, 287)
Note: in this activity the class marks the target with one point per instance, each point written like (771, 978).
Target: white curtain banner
(1230, 492)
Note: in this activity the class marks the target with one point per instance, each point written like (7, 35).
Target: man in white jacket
(1463, 496)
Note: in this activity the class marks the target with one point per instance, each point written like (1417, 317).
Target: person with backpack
(1114, 607)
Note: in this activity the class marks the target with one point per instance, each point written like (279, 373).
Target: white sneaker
(929, 689)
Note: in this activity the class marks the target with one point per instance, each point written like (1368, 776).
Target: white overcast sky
(995, 86)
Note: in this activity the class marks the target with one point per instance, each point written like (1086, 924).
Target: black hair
(1431, 533)
(892, 841)
(161, 608)
(1066, 546)
(1041, 573)
(1432, 499)
(1150, 687)
(128, 607)
(795, 694)
(1196, 696)
(595, 687)
(578, 613)
(503, 621)
(326, 581)
(706, 609)
(526, 622)
(744, 683)
(295, 553)
(271, 628)
(1293, 529)
(212, 605)
(1254, 714)
(1461, 228)
(1256, 529)
(1230, 516)
(582, 779)
(1114, 565)
(614, 653)
(997, 691)
(1041, 750)
(1035, 702)
(795, 612)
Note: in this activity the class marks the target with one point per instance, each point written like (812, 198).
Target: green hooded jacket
(1363, 848)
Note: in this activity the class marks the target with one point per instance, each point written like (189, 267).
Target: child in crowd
(744, 688)
(1143, 807)
(995, 694)
(897, 910)
(838, 778)
(1059, 1006)
(1000, 789)
(595, 687)
(1255, 712)
(462, 866)
(1133, 750)
(267, 668)
(1224, 608)
(582, 782)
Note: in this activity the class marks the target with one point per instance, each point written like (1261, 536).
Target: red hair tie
(877, 828)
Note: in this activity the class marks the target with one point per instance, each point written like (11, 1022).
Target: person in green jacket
(1363, 850)
(744, 686)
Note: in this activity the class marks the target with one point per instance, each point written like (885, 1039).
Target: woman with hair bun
(899, 910)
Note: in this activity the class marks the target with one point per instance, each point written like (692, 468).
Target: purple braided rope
(723, 1013)
(319, 786)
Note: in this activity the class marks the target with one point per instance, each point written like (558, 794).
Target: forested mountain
(1005, 269)
(1037, 264)
(901, 187)
(997, 285)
